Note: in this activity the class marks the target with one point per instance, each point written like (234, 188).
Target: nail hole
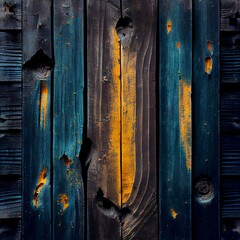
(124, 27)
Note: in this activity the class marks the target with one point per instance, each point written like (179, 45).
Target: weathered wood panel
(175, 161)
(10, 197)
(10, 14)
(206, 82)
(37, 124)
(10, 229)
(68, 187)
(10, 57)
(230, 57)
(230, 15)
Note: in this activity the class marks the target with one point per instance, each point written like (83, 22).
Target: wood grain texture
(206, 82)
(37, 124)
(230, 15)
(175, 42)
(68, 188)
(10, 197)
(10, 14)
(10, 57)
(10, 229)
(230, 57)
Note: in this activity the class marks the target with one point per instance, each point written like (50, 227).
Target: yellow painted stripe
(128, 78)
(185, 120)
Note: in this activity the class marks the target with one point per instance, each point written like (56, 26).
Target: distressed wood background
(119, 119)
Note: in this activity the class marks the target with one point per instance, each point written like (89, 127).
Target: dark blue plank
(68, 188)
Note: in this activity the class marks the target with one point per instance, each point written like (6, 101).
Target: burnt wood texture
(122, 176)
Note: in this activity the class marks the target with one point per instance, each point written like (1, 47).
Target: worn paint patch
(43, 103)
(173, 213)
(169, 26)
(178, 45)
(208, 65)
(185, 121)
(115, 118)
(66, 160)
(64, 200)
(210, 47)
(128, 98)
(41, 182)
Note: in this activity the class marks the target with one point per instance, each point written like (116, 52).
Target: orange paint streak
(169, 26)
(128, 122)
(64, 200)
(208, 65)
(115, 119)
(209, 46)
(173, 213)
(41, 182)
(185, 120)
(43, 103)
(178, 45)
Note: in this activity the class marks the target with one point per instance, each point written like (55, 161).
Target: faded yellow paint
(115, 117)
(169, 26)
(43, 103)
(128, 92)
(64, 200)
(41, 182)
(173, 213)
(185, 120)
(208, 65)
(178, 45)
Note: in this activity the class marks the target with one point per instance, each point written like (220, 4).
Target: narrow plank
(10, 229)
(230, 207)
(104, 120)
(10, 57)
(37, 127)
(206, 206)
(138, 118)
(175, 119)
(68, 187)
(10, 106)
(10, 197)
(230, 15)
(10, 14)
(230, 57)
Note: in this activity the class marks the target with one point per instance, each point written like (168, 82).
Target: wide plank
(175, 82)
(68, 120)
(10, 14)
(10, 57)
(206, 81)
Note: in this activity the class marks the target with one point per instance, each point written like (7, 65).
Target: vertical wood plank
(206, 120)
(175, 118)
(68, 188)
(37, 119)
(104, 119)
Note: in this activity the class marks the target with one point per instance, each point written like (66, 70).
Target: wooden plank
(10, 229)
(230, 15)
(104, 113)
(10, 197)
(10, 56)
(175, 119)
(10, 14)
(230, 57)
(37, 127)
(68, 188)
(10, 107)
(138, 118)
(206, 207)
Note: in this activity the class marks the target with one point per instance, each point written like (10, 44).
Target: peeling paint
(43, 103)
(64, 200)
(41, 182)
(169, 26)
(178, 45)
(210, 47)
(208, 65)
(66, 160)
(185, 120)
(173, 213)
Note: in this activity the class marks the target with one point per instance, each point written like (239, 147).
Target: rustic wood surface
(68, 188)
